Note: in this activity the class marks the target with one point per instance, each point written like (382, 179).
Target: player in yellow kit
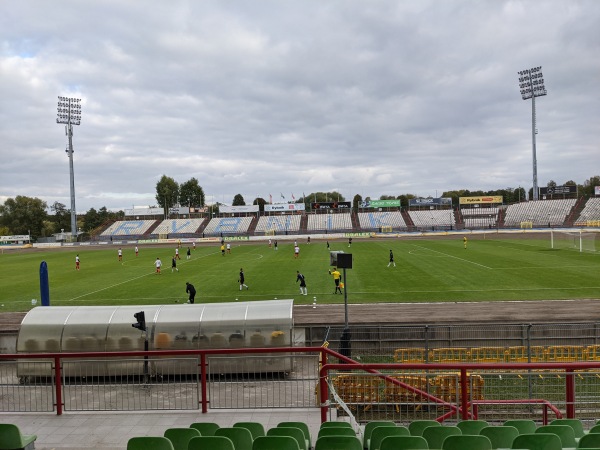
(336, 279)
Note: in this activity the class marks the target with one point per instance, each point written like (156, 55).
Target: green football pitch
(426, 271)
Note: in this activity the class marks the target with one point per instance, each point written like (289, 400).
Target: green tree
(91, 220)
(61, 217)
(356, 201)
(191, 194)
(167, 191)
(261, 202)
(587, 189)
(238, 200)
(23, 214)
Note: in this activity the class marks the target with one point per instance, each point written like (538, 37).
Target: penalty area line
(455, 257)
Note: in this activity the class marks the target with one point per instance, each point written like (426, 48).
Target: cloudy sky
(283, 97)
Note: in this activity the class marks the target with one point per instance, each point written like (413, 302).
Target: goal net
(574, 240)
(386, 229)
(270, 232)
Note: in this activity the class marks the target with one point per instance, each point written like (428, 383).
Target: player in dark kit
(300, 277)
(242, 279)
(190, 289)
(391, 259)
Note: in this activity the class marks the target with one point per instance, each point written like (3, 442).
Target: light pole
(531, 82)
(69, 113)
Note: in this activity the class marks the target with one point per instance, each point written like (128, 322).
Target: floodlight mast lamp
(531, 82)
(69, 113)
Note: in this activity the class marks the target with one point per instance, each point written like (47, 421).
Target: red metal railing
(465, 408)
(463, 368)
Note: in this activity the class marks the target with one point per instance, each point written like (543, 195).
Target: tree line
(27, 215)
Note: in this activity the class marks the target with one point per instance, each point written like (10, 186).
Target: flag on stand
(270, 199)
(293, 198)
(282, 196)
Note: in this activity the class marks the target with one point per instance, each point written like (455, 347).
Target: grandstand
(178, 226)
(433, 218)
(128, 228)
(329, 222)
(480, 217)
(279, 224)
(590, 212)
(228, 225)
(540, 213)
(379, 220)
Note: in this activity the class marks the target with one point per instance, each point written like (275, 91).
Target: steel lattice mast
(69, 113)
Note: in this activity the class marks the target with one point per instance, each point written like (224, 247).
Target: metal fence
(514, 342)
(220, 379)
(177, 380)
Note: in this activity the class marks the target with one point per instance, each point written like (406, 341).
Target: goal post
(577, 240)
(270, 232)
(386, 229)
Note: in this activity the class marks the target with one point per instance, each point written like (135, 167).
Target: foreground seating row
(560, 434)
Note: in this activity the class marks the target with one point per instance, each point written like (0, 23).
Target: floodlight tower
(531, 82)
(69, 113)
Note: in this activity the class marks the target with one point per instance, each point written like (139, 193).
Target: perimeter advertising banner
(285, 207)
(558, 190)
(238, 209)
(143, 211)
(430, 201)
(483, 199)
(381, 204)
(331, 205)
(179, 210)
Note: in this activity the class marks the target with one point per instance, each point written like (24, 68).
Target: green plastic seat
(416, 427)
(370, 426)
(293, 432)
(466, 442)
(336, 431)
(338, 443)
(335, 424)
(381, 433)
(149, 443)
(537, 441)
(564, 432)
(255, 428)
(594, 429)
(241, 437)
(576, 424)
(303, 426)
(11, 437)
(590, 440)
(435, 436)
(205, 428)
(275, 443)
(472, 426)
(404, 443)
(525, 426)
(180, 437)
(500, 436)
(210, 443)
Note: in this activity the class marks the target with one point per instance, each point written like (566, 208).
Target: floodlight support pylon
(69, 113)
(69, 132)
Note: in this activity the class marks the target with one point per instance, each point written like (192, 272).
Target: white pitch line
(455, 257)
